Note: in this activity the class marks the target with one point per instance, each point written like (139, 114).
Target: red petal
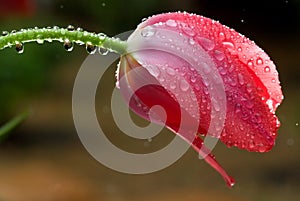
(251, 80)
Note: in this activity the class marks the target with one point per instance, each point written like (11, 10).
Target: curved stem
(78, 36)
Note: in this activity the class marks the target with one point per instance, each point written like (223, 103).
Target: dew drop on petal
(147, 32)
(206, 43)
(267, 69)
(184, 85)
(221, 36)
(171, 23)
(259, 61)
(228, 44)
(171, 71)
(188, 31)
(241, 79)
(219, 55)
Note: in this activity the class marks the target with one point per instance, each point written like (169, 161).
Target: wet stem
(68, 36)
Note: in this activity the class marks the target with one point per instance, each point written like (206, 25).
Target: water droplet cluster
(68, 36)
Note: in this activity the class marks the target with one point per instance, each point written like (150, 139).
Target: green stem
(6, 128)
(70, 35)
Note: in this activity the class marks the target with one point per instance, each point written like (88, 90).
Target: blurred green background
(44, 160)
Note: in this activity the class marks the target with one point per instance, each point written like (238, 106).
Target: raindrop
(184, 85)
(68, 45)
(91, 49)
(171, 23)
(103, 51)
(239, 49)
(206, 43)
(4, 33)
(267, 69)
(273, 80)
(219, 55)
(70, 28)
(170, 71)
(19, 47)
(259, 61)
(147, 32)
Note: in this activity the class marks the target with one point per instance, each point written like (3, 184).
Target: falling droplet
(267, 69)
(184, 85)
(147, 32)
(4, 33)
(70, 28)
(91, 49)
(19, 47)
(259, 61)
(171, 23)
(103, 51)
(68, 45)
(206, 43)
(219, 55)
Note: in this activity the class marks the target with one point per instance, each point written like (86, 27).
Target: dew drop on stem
(91, 49)
(19, 47)
(103, 51)
(4, 33)
(68, 45)
(70, 28)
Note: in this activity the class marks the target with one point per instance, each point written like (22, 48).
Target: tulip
(210, 80)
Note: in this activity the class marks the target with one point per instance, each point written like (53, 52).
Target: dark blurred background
(43, 159)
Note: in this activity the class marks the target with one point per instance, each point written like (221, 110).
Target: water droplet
(191, 41)
(171, 23)
(91, 49)
(63, 32)
(39, 39)
(238, 108)
(242, 21)
(102, 51)
(250, 63)
(259, 61)
(267, 69)
(206, 43)
(241, 79)
(262, 148)
(206, 68)
(219, 55)
(68, 45)
(103, 4)
(273, 80)
(184, 85)
(70, 28)
(101, 36)
(173, 85)
(188, 31)
(79, 29)
(147, 32)
(239, 49)
(221, 36)
(4, 33)
(228, 44)
(171, 71)
(19, 47)
(297, 124)
(193, 79)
